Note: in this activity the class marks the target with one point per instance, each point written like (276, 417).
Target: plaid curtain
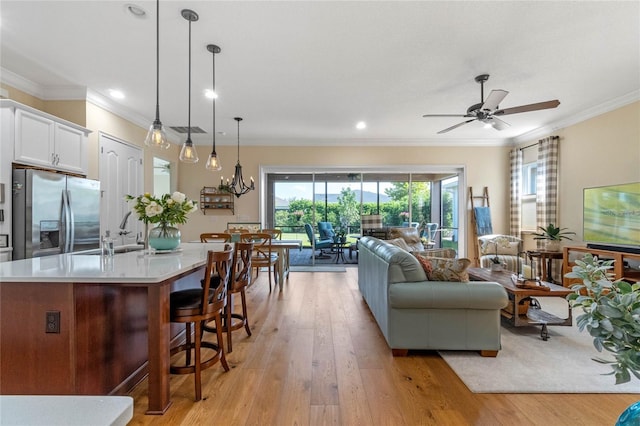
(515, 161)
(547, 182)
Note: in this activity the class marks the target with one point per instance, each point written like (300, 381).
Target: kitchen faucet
(123, 224)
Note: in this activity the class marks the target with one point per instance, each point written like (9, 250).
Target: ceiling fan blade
(445, 115)
(494, 99)
(498, 124)
(456, 126)
(525, 108)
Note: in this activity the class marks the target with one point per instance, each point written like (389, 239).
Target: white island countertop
(130, 267)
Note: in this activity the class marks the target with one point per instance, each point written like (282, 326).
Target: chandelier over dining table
(237, 186)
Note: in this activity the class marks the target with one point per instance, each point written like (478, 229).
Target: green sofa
(414, 313)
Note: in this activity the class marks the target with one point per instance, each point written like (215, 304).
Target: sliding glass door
(428, 201)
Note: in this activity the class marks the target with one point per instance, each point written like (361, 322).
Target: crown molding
(129, 115)
(17, 81)
(49, 93)
(587, 114)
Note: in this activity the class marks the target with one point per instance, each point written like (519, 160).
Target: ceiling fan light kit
(487, 110)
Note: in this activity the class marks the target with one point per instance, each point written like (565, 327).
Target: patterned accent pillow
(443, 269)
(425, 263)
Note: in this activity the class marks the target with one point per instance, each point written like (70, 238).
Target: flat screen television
(611, 217)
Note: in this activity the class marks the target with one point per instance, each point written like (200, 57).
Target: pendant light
(213, 164)
(188, 153)
(237, 186)
(157, 137)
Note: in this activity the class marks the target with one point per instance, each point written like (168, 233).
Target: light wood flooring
(316, 357)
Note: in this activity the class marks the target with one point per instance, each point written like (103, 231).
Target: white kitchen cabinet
(41, 139)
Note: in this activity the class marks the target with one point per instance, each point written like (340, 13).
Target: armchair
(505, 247)
(317, 244)
(326, 231)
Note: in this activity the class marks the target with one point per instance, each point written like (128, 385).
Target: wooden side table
(545, 262)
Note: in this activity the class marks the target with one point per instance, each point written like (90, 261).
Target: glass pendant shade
(157, 137)
(213, 164)
(188, 153)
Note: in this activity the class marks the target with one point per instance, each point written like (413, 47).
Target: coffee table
(534, 315)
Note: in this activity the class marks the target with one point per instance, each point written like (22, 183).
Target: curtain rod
(528, 146)
(534, 144)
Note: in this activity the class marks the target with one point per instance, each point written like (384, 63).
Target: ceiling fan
(487, 110)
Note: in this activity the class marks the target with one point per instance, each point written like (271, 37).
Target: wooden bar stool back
(215, 237)
(240, 280)
(198, 306)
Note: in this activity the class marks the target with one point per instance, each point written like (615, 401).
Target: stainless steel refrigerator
(54, 213)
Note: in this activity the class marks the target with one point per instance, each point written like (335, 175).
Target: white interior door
(121, 173)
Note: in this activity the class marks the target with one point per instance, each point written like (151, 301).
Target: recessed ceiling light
(135, 10)
(361, 125)
(210, 94)
(116, 94)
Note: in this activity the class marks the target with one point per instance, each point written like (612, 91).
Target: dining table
(283, 248)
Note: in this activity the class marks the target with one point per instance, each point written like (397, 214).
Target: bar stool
(240, 280)
(198, 306)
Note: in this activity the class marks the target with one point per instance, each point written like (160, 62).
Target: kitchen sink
(116, 250)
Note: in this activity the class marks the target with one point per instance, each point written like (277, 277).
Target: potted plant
(611, 315)
(552, 236)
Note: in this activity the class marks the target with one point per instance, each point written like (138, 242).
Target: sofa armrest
(447, 295)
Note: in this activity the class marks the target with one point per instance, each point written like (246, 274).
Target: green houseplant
(611, 315)
(552, 235)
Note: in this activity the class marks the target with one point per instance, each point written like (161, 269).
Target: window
(529, 171)
(528, 206)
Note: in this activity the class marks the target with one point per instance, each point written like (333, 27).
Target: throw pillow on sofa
(400, 242)
(448, 253)
(444, 269)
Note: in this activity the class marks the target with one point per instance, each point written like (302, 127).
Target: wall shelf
(212, 198)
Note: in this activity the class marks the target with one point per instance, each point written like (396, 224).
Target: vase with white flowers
(165, 211)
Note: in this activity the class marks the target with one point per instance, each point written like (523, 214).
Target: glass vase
(164, 237)
(630, 416)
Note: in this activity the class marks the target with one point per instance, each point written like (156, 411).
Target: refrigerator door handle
(71, 223)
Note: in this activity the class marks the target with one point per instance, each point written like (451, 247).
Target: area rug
(528, 364)
(318, 268)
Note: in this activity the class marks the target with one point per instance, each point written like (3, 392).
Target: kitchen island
(84, 324)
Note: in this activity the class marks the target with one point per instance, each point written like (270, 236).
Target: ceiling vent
(185, 129)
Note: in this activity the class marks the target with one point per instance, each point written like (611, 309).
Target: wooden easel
(482, 228)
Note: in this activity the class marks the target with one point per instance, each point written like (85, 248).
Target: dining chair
(197, 306)
(262, 255)
(276, 234)
(236, 231)
(239, 281)
(215, 237)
